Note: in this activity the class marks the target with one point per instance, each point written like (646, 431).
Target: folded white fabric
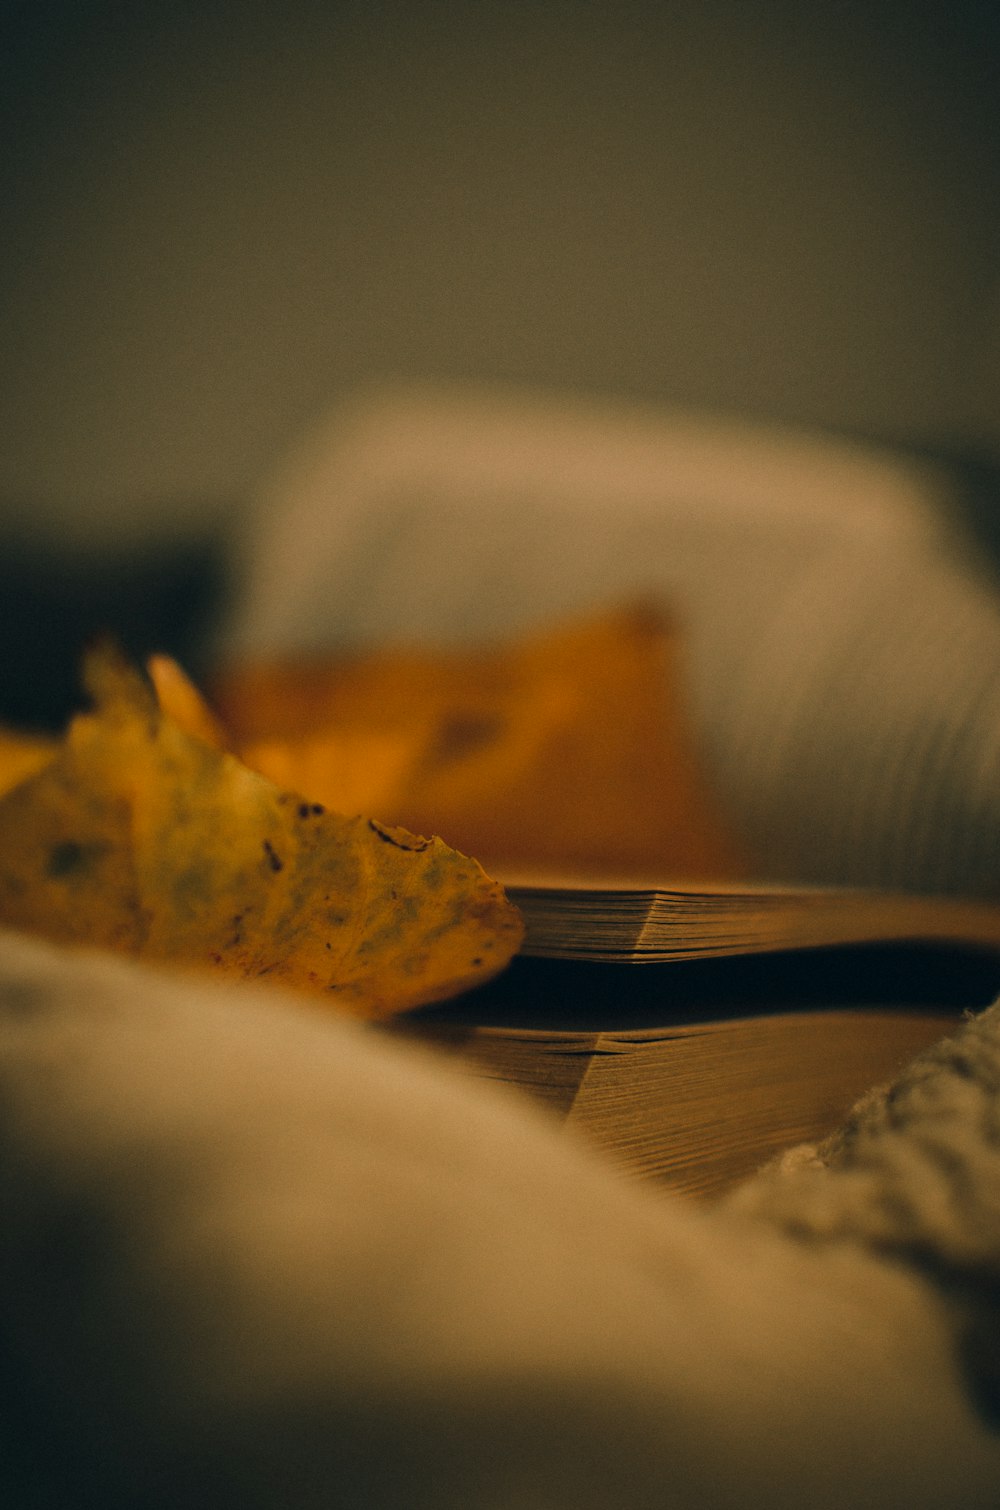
(254, 1256)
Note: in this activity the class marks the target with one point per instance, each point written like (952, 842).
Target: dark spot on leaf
(399, 837)
(23, 998)
(66, 858)
(275, 862)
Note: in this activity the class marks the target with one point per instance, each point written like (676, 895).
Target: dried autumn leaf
(181, 701)
(21, 755)
(141, 837)
(570, 748)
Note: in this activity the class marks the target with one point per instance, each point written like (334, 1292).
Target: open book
(696, 1072)
(640, 922)
(841, 648)
(694, 1032)
(709, 1085)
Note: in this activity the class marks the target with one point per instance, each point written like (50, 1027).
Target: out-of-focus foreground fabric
(252, 1256)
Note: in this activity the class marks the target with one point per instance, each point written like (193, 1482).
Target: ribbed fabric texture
(914, 1175)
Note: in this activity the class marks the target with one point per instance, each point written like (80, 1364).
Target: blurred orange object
(569, 749)
(22, 754)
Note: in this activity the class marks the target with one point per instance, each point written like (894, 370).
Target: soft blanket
(254, 1256)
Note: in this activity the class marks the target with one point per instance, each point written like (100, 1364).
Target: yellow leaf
(142, 837)
(21, 755)
(181, 701)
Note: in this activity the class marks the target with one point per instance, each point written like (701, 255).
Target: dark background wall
(219, 216)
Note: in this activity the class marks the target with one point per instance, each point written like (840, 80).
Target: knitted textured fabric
(914, 1173)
